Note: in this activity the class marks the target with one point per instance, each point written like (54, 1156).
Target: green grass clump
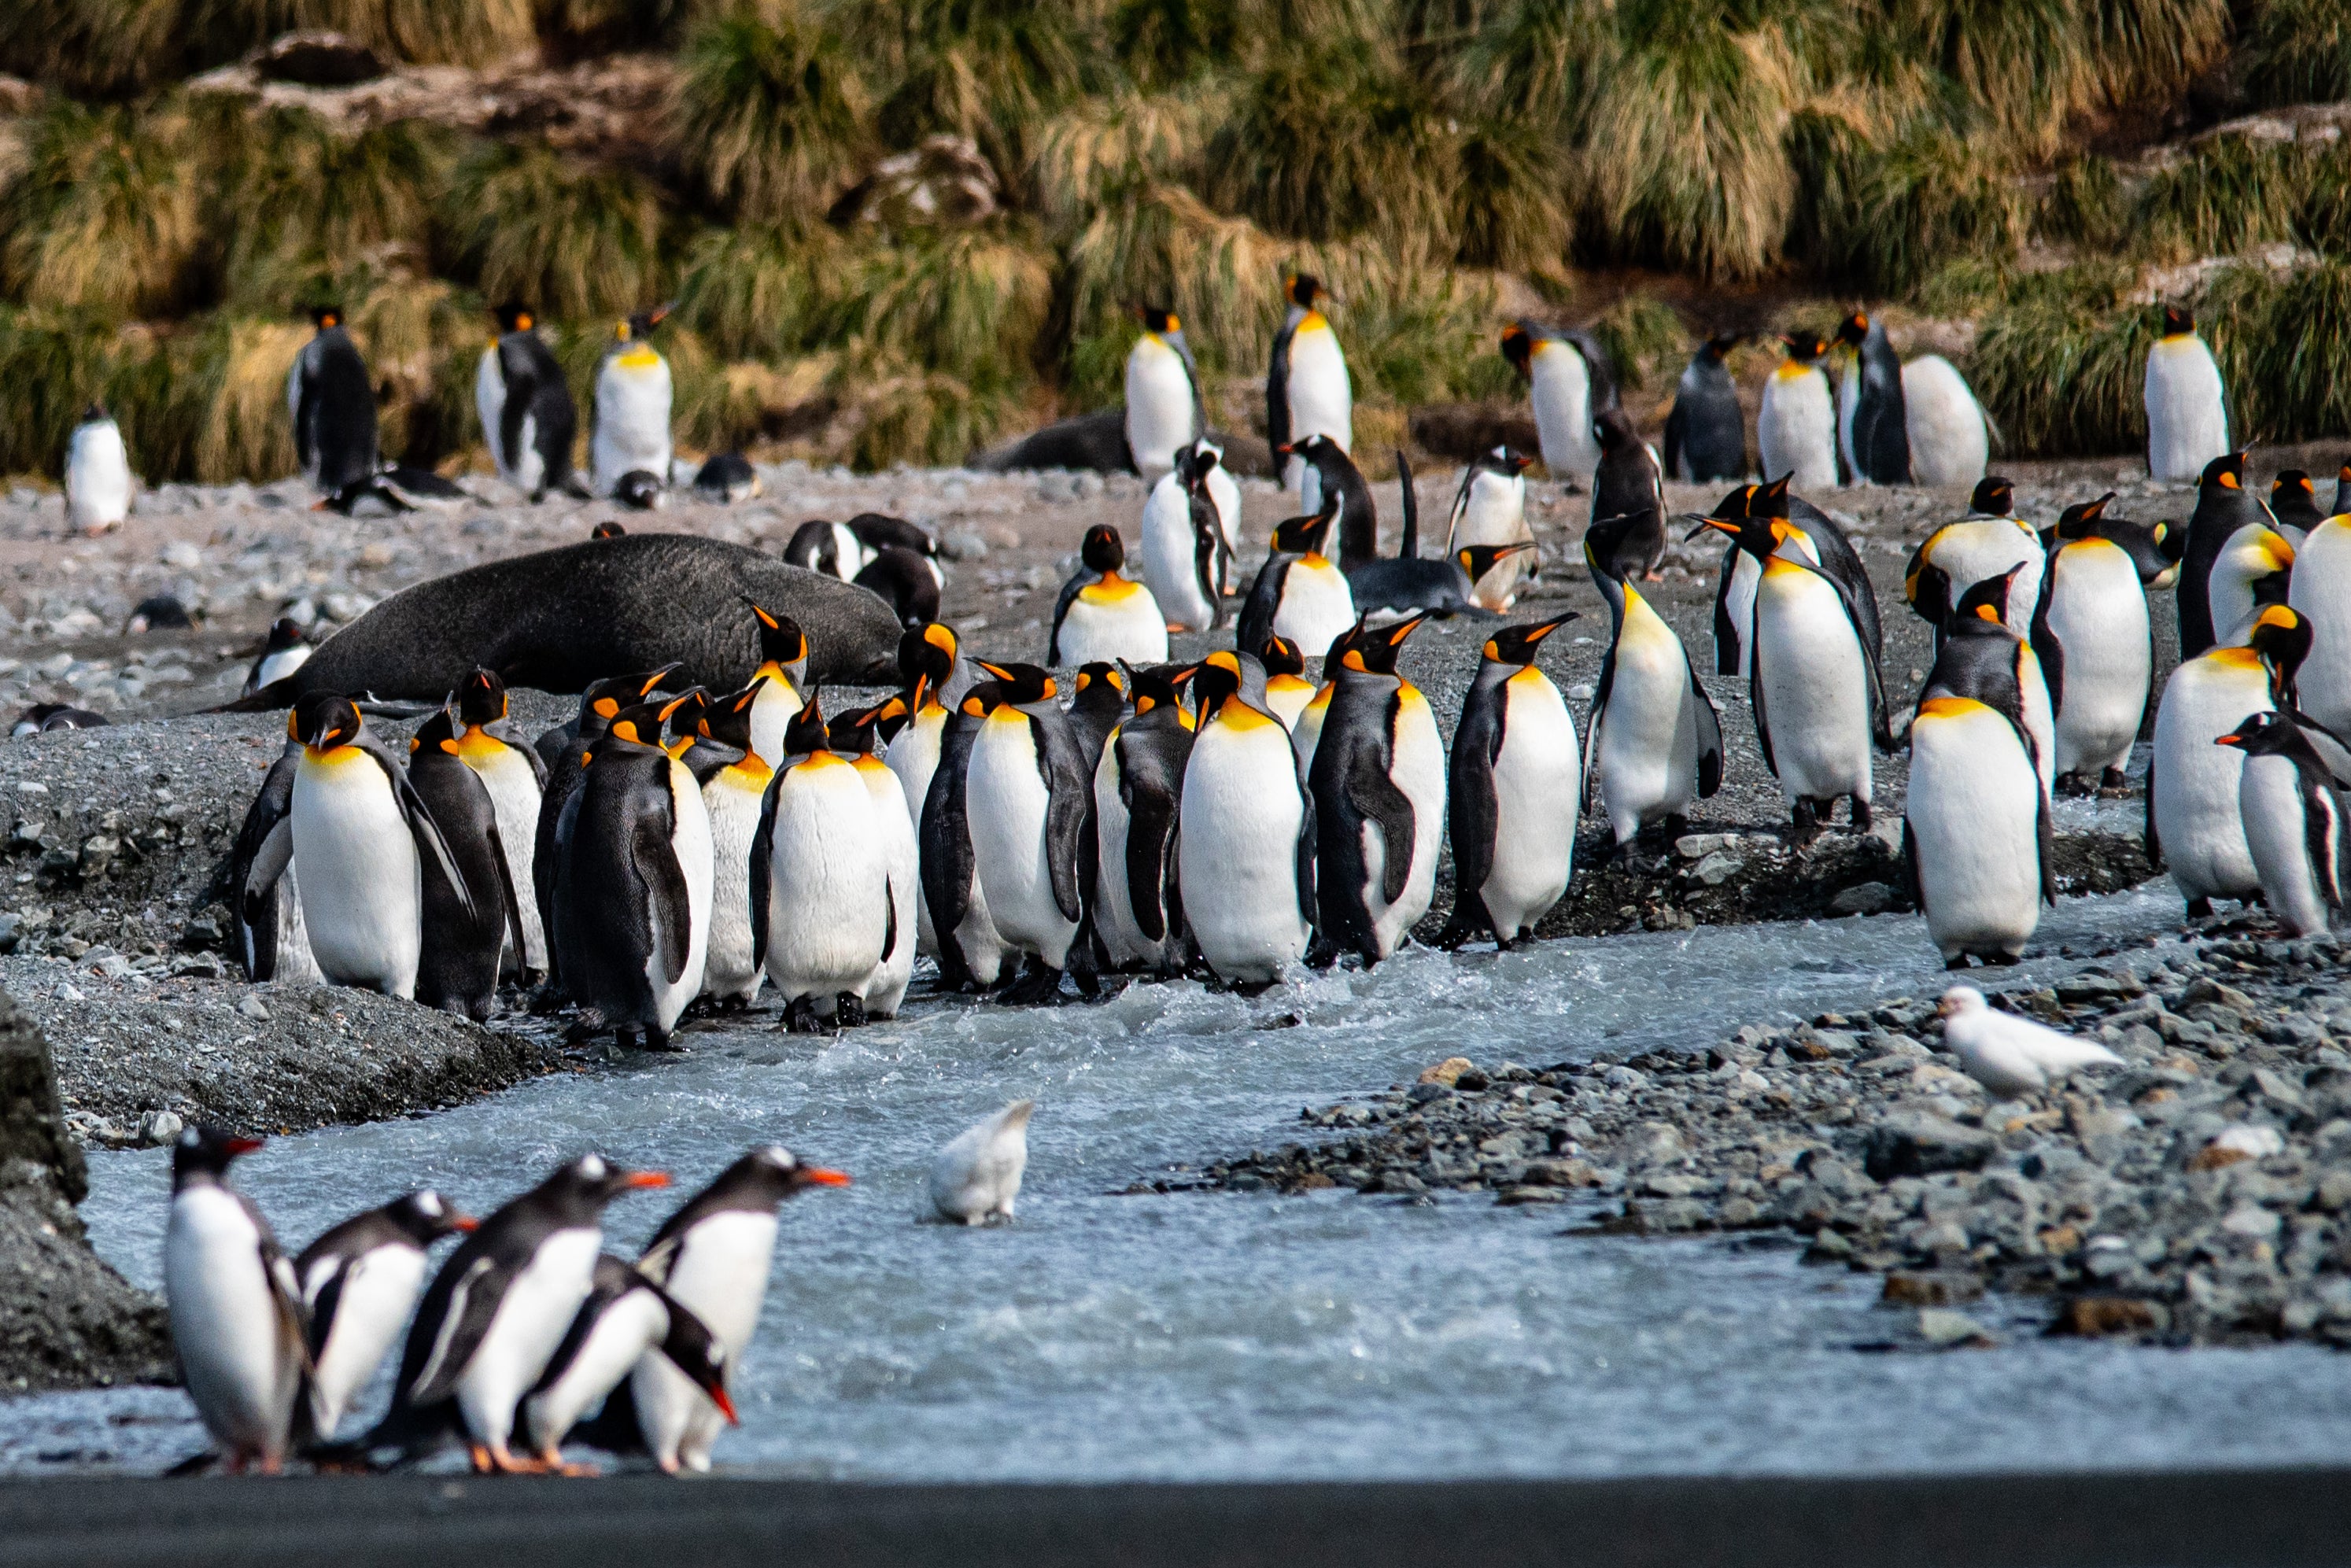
(297, 201)
(764, 291)
(526, 222)
(2061, 365)
(1902, 210)
(972, 306)
(1099, 150)
(1513, 202)
(2302, 52)
(105, 216)
(1161, 43)
(771, 118)
(2284, 352)
(426, 31)
(51, 365)
(93, 48)
(989, 69)
(1645, 339)
(2229, 192)
(1415, 336)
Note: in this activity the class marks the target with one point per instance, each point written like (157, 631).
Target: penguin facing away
(1307, 391)
(727, 478)
(99, 484)
(1705, 433)
(1163, 392)
(1653, 741)
(907, 580)
(360, 1281)
(631, 431)
(1097, 704)
(1335, 473)
(528, 419)
(271, 943)
(1628, 485)
(332, 401)
(1246, 839)
(783, 665)
(237, 1316)
(626, 1319)
(1872, 417)
(733, 795)
(1029, 795)
(1984, 659)
(970, 949)
(1490, 508)
(1950, 440)
(1570, 380)
(1958, 556)
(2094, 637)
(565, 749)
(1796, 431)
(2293, 819)
(1138, 790)
(1511, 795)
(1186, 563)
(977, 1177)
(2187, 411)
(470, 926)
(1975, 832)
(1378, 782)
(1102, 614)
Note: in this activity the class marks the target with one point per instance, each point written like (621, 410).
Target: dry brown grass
(106, 215)
(523, 222)
(771, 118)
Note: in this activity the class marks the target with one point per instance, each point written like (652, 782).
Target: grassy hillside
(2041, 169)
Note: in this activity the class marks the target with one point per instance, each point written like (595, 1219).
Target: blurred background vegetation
(900, 229)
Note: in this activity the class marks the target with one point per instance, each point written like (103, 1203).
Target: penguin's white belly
(1237, 854)
(2098, 613)
(1226, 492)
(1973, 812)
(224, 1323)
(732, 801)
(2320, 590)
(1647, 754)
(1559, 385)
(1322, 399)
(1417, 766)
(297, 965)
(278, 665)
(1316, 604)
(379, 1289)
(1538, 783)
(528, 1326)
(1848, 403)
(690, 841)
(633, 411)
(1949, 445)
(771, 714)
(2276, 823)
(1110, 623)
(828, 896)
(625, 1331)
(2197, 819)
(362, 892)
(490, 405)
(98, 477)
(2186, 419)
(1005, 802)
(914, 757)
(514, 799)
(720, 1275)
(1973, 552)
(1495, 513)
(893, 834)
(1796, 430)
(1815, 689)
(1739, 604)
(2040, 717)
(1158, 405)
(1168, 568)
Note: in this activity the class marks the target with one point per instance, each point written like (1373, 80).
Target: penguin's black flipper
(420, 825)
(654, 859)
(1727, 641)
(1910, 882)
(263, 848)
(506, 889)
(2154, 842)
(1079, 580)
(467, 1309)
(1150, 825)
(1310, 908)
(1755, 702)
(2044, 842)
(2047, 648)
(1069, 810)
(521, 377)
(1676, 427)
(763, 872)
(946, 832)
(1264, 600)
(1709, 735)
(1471, 809)
(1277, 406)
(2322, 823)
(1373, 794)
(322, 1310)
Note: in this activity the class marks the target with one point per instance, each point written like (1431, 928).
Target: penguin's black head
(284, 633)
(683, 713)
(1225, 677)
(1281, 658)
(2293, 488)
(982, 698)
(427, 1217)
(693, 1349)
(1371, 652)
(323, 722)
(607, 531)
(1303, 535)
(516, 317)
(437, 733)
(603, 700)
(483, 698)
(2281, 636)
(728, 720)
(640, 490)
(1854, 329)
(1519, 347)
(2178, 320)
(1993, 497)
(201, 1150)
(1303, 290)
(1098, 683)
(1805, 346)
(1733, 507)
(1613, 428)
(1103, 550)
(1156, 321)
(1022, 683)
(1517, 644)
(2226, 471)
(1506, 461)
(2263, 733)
(781, 641)
(639, 326)
(927, 660)
(891, 714)
(1770, 499)
(851, 734)
(771, 1174)
(95, 414)
(808, 734)
(1757, 535)
(585, 1185)
(1985, 603)
(2081, 520)
(639, 724)
(1720, 344)
(2342, 474)
(325, 317)
(1159, 686)
(1477, 560)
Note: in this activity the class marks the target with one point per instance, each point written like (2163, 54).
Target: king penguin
(2224, 508)
(565, 749)
(1162, 393)
(1986, 660)
(360, 1281)
(927, 660)
(1245, 840)
(1299, 592)
(1796, 431)
(470, 926)
(823, 920)
(970, 949)
(733, 795)
(528, 416)
(1029, 797)
(630, 432)
(271, 944)
(783, 665)
(332, 399)
(2293, 820)
(1286, 689)
(1990, 541)
(1873, 416)
(1307, 391)
(1570, 380)
(1138, 788)
(1185, 562)
(99, 485)
(1490, 508)
(1975, 832)
(2320, 591)
(1653, 743)
(1102, 614)
(1705, 433)
(236, 1317)
(2294, 506)
(516, 776)
(1378, 782)
(2187, 414)
(853, 737)
(1803, 533)
(1097, 704)
(2194, 826)
(2096, 640)
(1628, 483)
(1514, 784)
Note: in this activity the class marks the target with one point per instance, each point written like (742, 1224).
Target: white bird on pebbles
(977, 1175)
(2011, 1056)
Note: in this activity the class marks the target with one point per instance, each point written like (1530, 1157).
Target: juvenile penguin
(906, 580)
(237, 1316)
(625, 1321)
(1378, 781)
(1975, 832)
(1512, 791)
(1029, 796)
(1185, 562)
(528, 416)
(332, 399)
(2187, 414)
(1950, 440)
(783, 665)
(832, 548)
(1138, 789)
(2096, 642)
(1990, 541)
(1490, 508)
(2294, 506)
(271, 943)
(1163, 392)
(852, 736)
(1101, 614)
(510, 768)
(631, 432)
(1569, 380)
(99, 485)
(2292, 819)
(359, 1282)
(1307, 391)
(823, 917)
(970, 949)
(283, 652)
(977, 1176)
(1653, 742)
(1872, 417)
(1334, 473)
(1628, 485)
(2320, 591)
(2194, 826)
(1985, 659)
(1245, 848)
(1286, 689)
(1299, 592)
(1705, 433)
(733, 795)
(1796, 431)
(468, 926)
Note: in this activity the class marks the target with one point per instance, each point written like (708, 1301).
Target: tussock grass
(426, 31)
(1891, 216)
(971, 304)
(1644, 339)
(1161, 43)
(93, 48)
(105, 216)
(1100, 149)
(51, 365)
(764, 291)
(989, 69)
(772, 118)
(523, 222)
(2084, 203)
(2062, 364)
(1415, 336)
(2285, 348)
(2231, 192)
(1514, 201)
(2301, 51)
(1162, 244)
(297, 202)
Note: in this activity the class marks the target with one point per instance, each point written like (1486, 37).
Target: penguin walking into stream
(1307, 391)
(236, 1311)
(824, 918)
(511, 768)
(2195, 828)
(1029, 800)
(359, 1282)
(1511, 795)
(1378, 782)
(852, 736)
(1705, 433)
(98, 485)
(1653, 743)
(734, 781)
(1796, 430)
(1490, 508)
(1286, 689)
(2292, 814)
(1570, 380)
(1138, 790)
(332, 401)
(928, 660)
(2094, 637)
(528, 419)
(1448, 588)
(783, 665)
(1975, 831)
(1186, 563)
(971, 951)
(1245, 836)
(1162, 393)
(625, 1319)
(1299, 592)
(2186, 410)
(1102, 614)
(1986, 660)
(1990, 541)
(631, 432)
(469, 926)
(1628, 485)
(1872, 417)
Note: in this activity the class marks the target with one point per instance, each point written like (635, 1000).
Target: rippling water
(1227, 1335)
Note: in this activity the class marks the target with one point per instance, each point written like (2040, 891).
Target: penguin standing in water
(99, 485)
(1653, 743)
(783, 665)
(332, 399)
(1162, 393)
(2186, 413)
(2194, 826)
(1030, 804)
(359, 1282)
(852, 736)
(1102, 615)
(2224, 510)
(1299, 593)
(927, 661)
(1490, 508)
(733, 795)
(1138, 788)
(2096, 640)
(471, 924)
(1378, 781)
(1975, 832)
(1796, 431)
(1984, 659)
(1873, 418)
(970, 949)
(1186, 563)
(1990, 541)
(528, 419)
(1335, 473)
(1803, 533)
(1628, 485)
(1512, 796)
(630, 432)
(1307, 391)
(823, 919)
(2292, 819)
(237, 1316)
(2294, 506)
(626, 1319)
(271, 943)
(1705, 433)
(286, 650)
(1246, 837)
(1569, 380)
(512, 771)
(1286, 689)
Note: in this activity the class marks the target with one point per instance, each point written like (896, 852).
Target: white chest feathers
(977, 1177)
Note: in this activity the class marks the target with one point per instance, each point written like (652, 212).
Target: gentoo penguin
(783, 665)
(631, 431)
(1286, 689)
(498, 1310)
(236, 1315)
(1097, 703)
(2194, 827)
(2320, 591)
(41, 719)
(1490, 508)
(1299, 593)
(1796, 431)
(832, 548)
(1975, 832)
(1569, 380)
(1653, 742)
(970, 950)
(1806, 533)
(565, 749)
(2292, 819)
(528, 416)
(733, 795)
(99, 485)
(2224, 510)
(1705, 433)
(1185, 562)
(907, 580)
(271, 943)
(727, 479)
(1872, 417)
(1986, 660)
(1163, 392)
(1138, 788)
(470, 927)
(1029, 794)
(1447, 587)
(2096, 642)
(1307, 391)
(510, 768)
(1628, 485)
(1378, 781)
(160, 612)
(824, 919)
(285, 651)
(2186, 413)
(625, 1321)
(852, 736)
(2294, 506)
(1514, 783)
(633, 884)
(1820, 704)
(977, 1176)
(640, 490)
(332, 399)
(1101, 614)
(359, 1282)
(1245, 852)
(1990, 541)
(1335, 473)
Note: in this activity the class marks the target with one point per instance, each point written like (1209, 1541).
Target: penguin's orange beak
(241, 1145)
(646, 1178)
(464, 1224)
(816, 1175)
(726, 1405)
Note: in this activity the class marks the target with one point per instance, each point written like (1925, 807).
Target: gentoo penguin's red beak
(646, 1178)
(1285, 450)
(816, 1175)
(466, 1224)
(726, 1405)
(241, 1145)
